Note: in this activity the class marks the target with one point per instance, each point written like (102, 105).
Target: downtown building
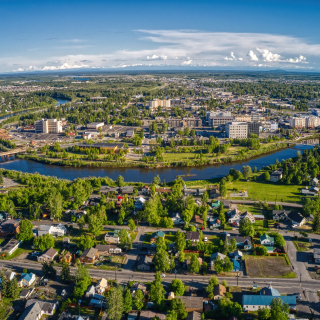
(185, 122)
(48, 126)
(154, 104)
(241, 130)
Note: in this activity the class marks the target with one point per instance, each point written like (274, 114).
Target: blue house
(236, 265)
(254, 302)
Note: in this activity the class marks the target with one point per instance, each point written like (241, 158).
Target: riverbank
(126, 164)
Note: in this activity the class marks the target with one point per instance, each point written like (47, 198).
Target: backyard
(268, 267)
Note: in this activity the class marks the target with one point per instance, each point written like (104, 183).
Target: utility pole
(238, 279)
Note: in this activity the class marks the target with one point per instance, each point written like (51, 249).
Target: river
(59, 101)
(146, 175)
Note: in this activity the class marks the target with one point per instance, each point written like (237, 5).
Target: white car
(163, 275)
(63, 293)
(205, 239)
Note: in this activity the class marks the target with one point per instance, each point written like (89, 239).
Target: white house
(177, 220)
(314, 182)
(101, 286)
(27, 279)
(276, 175)
(237, 255)
(236, 215)
(267, 240)
(59, 230)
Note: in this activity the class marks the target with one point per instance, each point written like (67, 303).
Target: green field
(269, 191)
(171, 157)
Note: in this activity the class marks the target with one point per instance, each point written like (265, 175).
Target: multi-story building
(185, 122)
(244, 118)
(154, 104)
(219, 120)
(274, 126)
(255, 117)
(48, 126)
(95, 125)
(237, 130)
(297, 123)
(211, 114)
(312, 122)
(253, 128)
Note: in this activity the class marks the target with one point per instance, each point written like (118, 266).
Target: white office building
(237, 130)
(48, 126)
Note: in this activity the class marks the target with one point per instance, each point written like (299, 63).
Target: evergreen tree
(4, 284)
(115, 303)
(13, 289)
(316, 222)
(127, 301)
(1, 177)
(138, 299)
(65, 272)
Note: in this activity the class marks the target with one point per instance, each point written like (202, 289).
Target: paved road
(285, 204)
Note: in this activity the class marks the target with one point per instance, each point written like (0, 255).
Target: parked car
(310, 240)
(205, 239)
(163, 275)
(298, 295)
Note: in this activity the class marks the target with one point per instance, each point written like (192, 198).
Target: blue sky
(59, 35)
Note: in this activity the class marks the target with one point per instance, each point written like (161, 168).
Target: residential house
(138, 286)
(148, 315)
(314, 182)
(213, 222)
(101, 286)
(219, 291)
(106, 249)
(193, 236)
(144, 263)
(309, 217)
(244, 242)
(65, 242)
(236, 265)
(9, 228)
(33, 312)
(312, 191)
(91, 291)
(214, 193)
(126, 190)
(106, 189)
(48, 307)
(215, 204)
(254, 302)
(25, 293)
(196, 219)
(59, 230)
(214, 256)
(192, 303)
(138, 205)
(237, 255)
(112, 237)
(280, 214)
(316, 255)
(276, 175)
(65, 256)
(296, 218)
(145, 190)
(236, 215)
(89, 256)
(267, 240)
(11, 246)
(248, 215)
(27, 279)
(177, 220)
(48, 255)
(194, 315)
(9, 274)
(156, 235)
(194, 192)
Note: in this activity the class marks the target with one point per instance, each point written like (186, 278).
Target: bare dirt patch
(268, 267)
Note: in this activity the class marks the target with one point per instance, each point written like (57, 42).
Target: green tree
(278, 310)
(65, 273)
(81, 222)
(95, 225)
(162, 261)
(194, 264)
(205, 197)
(138, 299)
(180, 240)
(115, 303)
(44, 242)
(223, 188)
(233, 244)
(48, 270)
(127, 301)
(83, 280)
(131, 224)
(266, 176)
(120, 181)
(218, 265)
(4, 285)
(54, 203)
(160, 244)
(26, 233)
(227, 264)
(212, 283)
(316, 223)
(157, 292)
(124, 238)
(263, 313)
(34, 211)
(13, 289)
(178, 287)
(86, 242)
(1, 177)
(246, 171)
(246, 227)
(179, 308)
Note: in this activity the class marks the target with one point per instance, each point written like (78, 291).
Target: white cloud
(252, 56)
(174, 47)
(155, 57)
(65, 66)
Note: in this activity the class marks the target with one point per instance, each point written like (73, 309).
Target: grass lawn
(83, 311)
(251, 209)
(268, 267)
(215, 240)
(147, 238)
(133, 235)
(169, 238)
(302, 245)
(258, 190)
(171, 157)
(110, 264)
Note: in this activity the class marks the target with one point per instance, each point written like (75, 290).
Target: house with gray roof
(32, 312)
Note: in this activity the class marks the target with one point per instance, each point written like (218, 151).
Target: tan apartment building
(48, 126)
(154, 104)
(185, 122)
(312, 122)
(237, 130)
(243, 118)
